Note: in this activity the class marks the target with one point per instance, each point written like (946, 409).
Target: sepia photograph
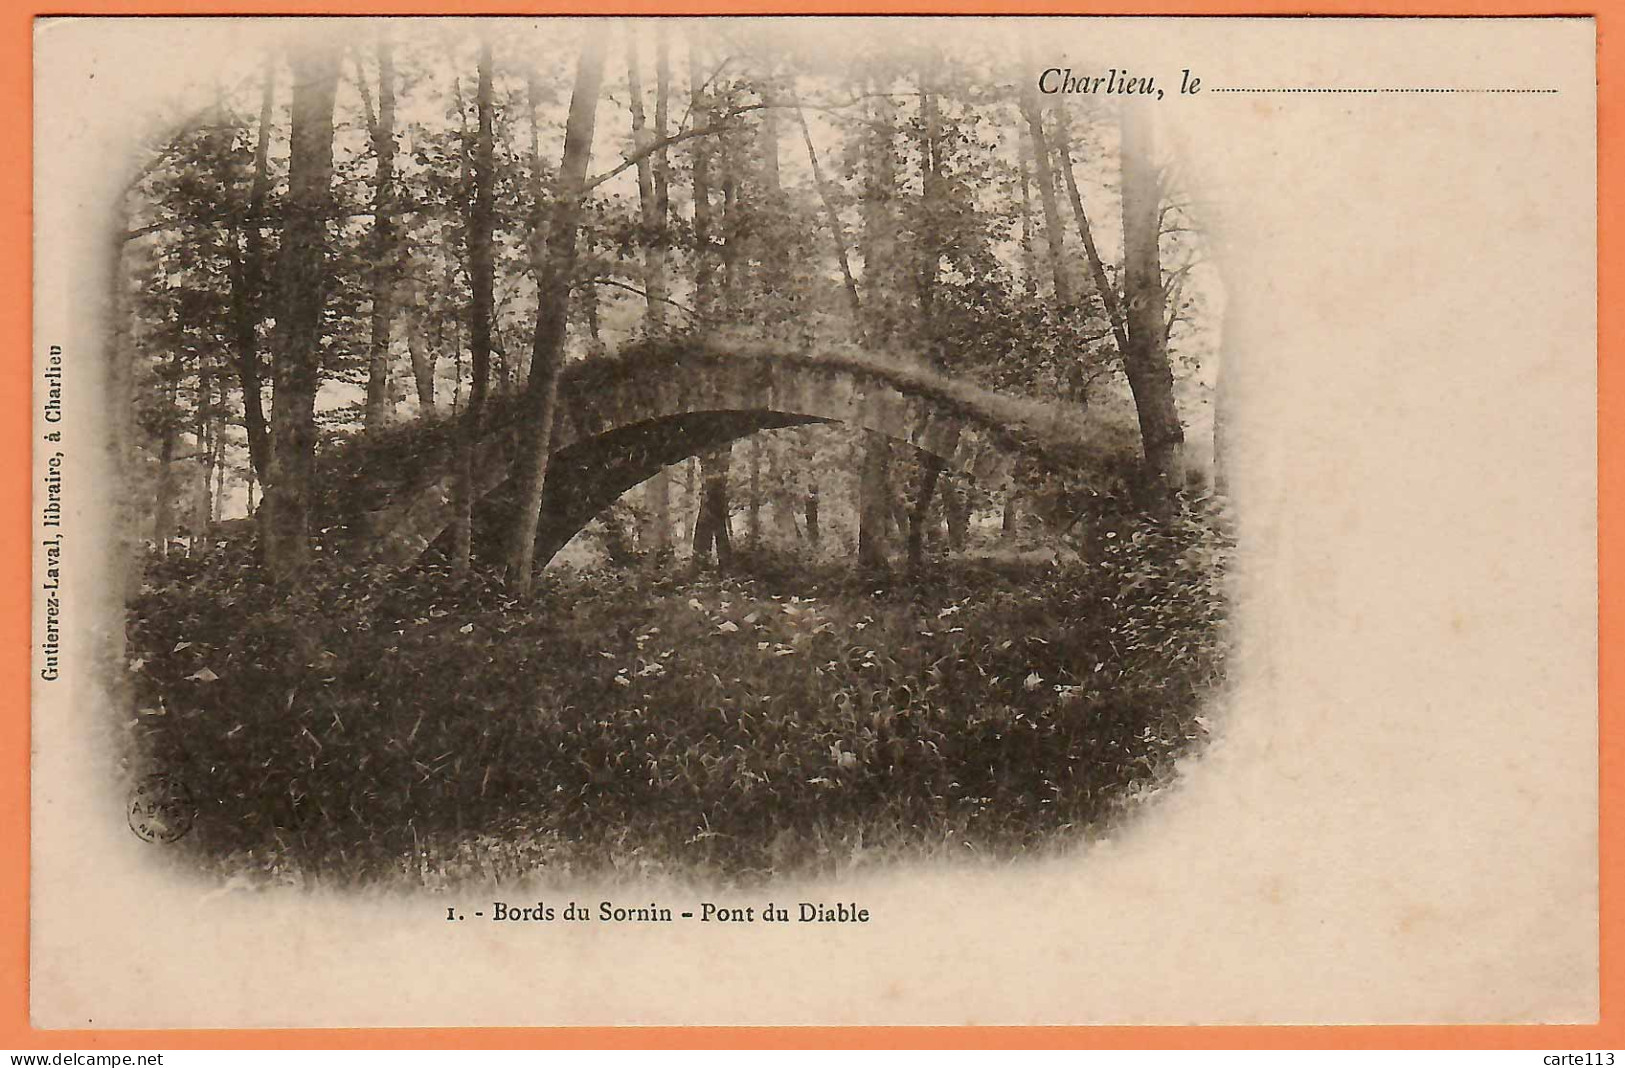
(805, 490)
(1077, 504)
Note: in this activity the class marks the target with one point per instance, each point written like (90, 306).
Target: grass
(410, 727)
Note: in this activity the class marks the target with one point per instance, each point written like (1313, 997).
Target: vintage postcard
(814, 520)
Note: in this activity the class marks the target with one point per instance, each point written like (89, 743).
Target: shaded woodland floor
(419, 729)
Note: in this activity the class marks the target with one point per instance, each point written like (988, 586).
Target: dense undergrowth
(786, 718)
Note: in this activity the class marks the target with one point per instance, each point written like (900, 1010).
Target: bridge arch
(623, 418)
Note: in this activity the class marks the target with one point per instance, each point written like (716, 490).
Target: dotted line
(1395, 90)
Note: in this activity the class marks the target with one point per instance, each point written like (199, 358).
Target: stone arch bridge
(623, 418)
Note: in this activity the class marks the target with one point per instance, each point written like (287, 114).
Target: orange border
(16, 100)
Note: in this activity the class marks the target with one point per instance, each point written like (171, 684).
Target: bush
(1167, 594)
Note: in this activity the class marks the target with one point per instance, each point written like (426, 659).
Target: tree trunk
(1097, 269)
(247, 285)
(711, 522)
(163, 519)
(837, 234)
(883, 279)
(218, 504)
(811, 503)
(781, 496)
(588, 296)
(930, 469)
(699, 548)
(1029, 258)
(298, 355)
(641, 139)
(753, 511)
(704, 270)
(653, 178)
(691, 511)
(1046, 192)
(874, 500)
(733, 241)
(657, 506)
(659, 249)
(732, 282)
(456, 367)
(454, 247)
(163, 522)
(536, 217)
(836, 231)
(957, 513)
(932, 207)
(448, 311)
(205, 443)
(779, 308)
(385, 255)
(553, 296)
(1146, 359)
(654, 183)
(481, 280)
(711, 525)
(422, 358)
(883, 276)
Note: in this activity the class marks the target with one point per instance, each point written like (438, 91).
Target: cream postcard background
(1398, 821)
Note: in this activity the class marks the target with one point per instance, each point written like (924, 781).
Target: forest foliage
(367, 250)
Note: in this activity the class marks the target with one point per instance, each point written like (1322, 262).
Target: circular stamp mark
(161, 809)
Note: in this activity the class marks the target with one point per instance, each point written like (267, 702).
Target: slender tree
(1053, 234)
(883, 268)
(205, 437)
(932, 204)
(711, 522)
(767, 476)
(385, 264)
(553, 297)
(1029, 258)
(247, 265)
(423, 357)
(1097, 268)
(700, 173)
(930, 470)
(482, 280)
(836, 231)
(301, 266)
(1145, 360)
(163, 524)
(654, 179)
(883, 281)
(653, 221)
(661, 247)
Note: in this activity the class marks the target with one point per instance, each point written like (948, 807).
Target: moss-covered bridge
(623, 418)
